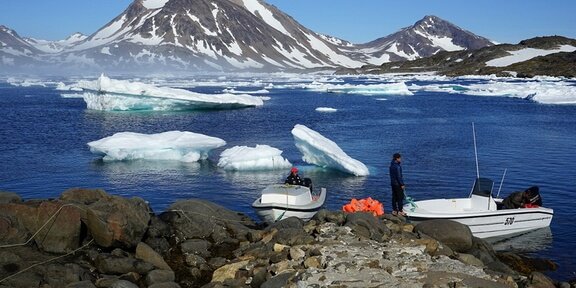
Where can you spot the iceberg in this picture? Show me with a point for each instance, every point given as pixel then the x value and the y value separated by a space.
pixel 544 91
pixel 261 157
pixel 110 94
pixel 399 88
pixel 326 109
pixel 323 152
pixel 171 145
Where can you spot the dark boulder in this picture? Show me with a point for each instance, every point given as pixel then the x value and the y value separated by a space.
pixel 367 225
pixel 118 222
pixel 200 219
pixel 455 235
pixel 9 197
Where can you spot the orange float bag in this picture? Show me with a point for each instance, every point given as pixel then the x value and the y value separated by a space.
pixel 364 205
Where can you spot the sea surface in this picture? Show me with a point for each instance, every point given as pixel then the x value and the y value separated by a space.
pixel 43 149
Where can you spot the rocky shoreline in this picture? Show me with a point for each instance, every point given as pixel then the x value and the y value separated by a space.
pixel 89 238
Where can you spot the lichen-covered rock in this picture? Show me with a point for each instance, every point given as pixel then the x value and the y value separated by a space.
pixel 200 219
pixel 118 222
pixel 9 197
pixel 63 227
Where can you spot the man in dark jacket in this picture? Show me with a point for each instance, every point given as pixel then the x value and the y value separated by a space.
pixel 397 182
pixel 527 198
pixel 293 178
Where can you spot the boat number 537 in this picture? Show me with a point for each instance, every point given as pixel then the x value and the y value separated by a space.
pixel 509 221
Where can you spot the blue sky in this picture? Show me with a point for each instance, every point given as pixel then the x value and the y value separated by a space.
pixel 358 21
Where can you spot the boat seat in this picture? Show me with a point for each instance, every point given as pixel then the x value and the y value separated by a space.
pixel 482 203
pixel 481 198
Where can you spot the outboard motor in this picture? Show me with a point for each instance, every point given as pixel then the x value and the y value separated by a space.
pixel 308 183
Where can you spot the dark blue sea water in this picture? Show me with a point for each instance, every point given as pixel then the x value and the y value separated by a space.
pixel 43 149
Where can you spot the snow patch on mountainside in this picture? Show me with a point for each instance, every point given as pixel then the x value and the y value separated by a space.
pixel 525 55
pixel 394 50
pixel 444 43
pixel 256 8
pixel 154 4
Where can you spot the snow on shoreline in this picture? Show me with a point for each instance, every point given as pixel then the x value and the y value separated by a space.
pixel 526 54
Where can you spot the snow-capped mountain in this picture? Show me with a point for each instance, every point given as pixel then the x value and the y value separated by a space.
pixel 229 35
pixel 56 46
pixel 207 34
pixel 423 39
pixel 14 51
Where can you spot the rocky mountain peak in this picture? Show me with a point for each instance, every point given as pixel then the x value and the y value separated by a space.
pixel 229 35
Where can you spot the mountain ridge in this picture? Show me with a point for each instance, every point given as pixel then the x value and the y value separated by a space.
pixel 230 35
pixel 550 56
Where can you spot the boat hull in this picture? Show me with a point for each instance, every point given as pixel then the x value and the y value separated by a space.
pixel 271 215
pixel 303 205
pixel 486 223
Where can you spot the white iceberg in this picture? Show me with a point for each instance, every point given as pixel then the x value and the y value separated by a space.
pixel 326 109
pixel 171 145
pixel 545 91
pixel 110 94
pixel 261 157
pixel 323 152
pixel 398 88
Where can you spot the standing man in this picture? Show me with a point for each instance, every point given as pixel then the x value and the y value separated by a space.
pixel 397 182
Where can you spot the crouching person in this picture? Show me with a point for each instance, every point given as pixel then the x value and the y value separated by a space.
pixel 523 199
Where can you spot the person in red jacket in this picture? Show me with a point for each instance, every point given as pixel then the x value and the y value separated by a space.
pixel 293 178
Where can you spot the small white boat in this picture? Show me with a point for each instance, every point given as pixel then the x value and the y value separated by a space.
pixel 280 201
pixel 481 212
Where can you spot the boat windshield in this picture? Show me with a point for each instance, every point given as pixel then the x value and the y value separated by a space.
pixel 483 187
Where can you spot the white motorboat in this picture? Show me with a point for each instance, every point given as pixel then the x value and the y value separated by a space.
pixel 280 201
pixel 481 212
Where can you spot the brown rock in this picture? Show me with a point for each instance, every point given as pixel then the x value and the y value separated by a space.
pixel 83 196
pixel 451 233
pixel 116 221
pixel 144 252
pixel 9 197
pixel 61 234
pixel 228 271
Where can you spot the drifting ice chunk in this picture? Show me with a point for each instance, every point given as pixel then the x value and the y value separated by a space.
pixel 110 94
pixel 399 88
pixel 261 157
pixel 326 109
pixel 323 152
pixel 172 145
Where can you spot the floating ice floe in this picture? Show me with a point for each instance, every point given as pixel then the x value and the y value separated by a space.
pixel 326 109
pixel 552 91
pixel 171 145
pixel 261 157
pixel 399 88
pixel 234 91
pixel 323 152
pixel 110 94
